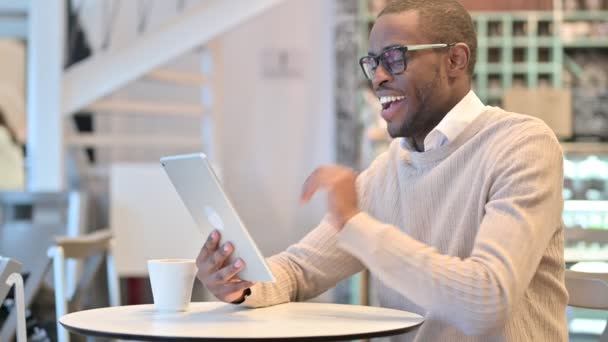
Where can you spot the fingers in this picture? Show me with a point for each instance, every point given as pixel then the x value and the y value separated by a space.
pixel 216 260
pixel 323 177
pixel 209 247
pixel 211 258
pixel 316 179
pixel 226 285
pixel 228 273
pixel 220 280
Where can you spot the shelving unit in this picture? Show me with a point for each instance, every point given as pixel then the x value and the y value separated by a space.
pixel 585 148
pixel 528 49
pixel 516 49
pixel 520 48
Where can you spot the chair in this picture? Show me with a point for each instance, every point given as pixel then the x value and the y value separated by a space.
pixel 588 290
pixel 92 248
pixel 28 223
pixel 9 276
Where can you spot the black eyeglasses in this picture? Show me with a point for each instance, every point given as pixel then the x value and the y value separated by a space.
pixel 393 58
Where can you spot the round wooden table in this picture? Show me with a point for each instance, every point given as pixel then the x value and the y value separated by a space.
pixel 213 321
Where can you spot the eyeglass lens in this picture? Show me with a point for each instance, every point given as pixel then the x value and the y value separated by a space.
pixel 393 60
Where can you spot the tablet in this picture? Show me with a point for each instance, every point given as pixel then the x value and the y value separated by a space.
pixel 203 195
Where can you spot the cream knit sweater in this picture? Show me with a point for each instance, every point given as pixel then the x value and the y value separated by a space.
pixel 468 235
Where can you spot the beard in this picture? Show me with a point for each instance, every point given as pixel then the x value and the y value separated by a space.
pixel 423 118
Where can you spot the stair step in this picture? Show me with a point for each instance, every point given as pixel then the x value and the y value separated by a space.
pixel 146 107
pixel 177 77
pixel 109 140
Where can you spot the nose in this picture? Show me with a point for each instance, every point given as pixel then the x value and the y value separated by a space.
pixel 381 76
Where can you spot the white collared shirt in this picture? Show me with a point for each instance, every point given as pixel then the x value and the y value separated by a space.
pixel 454 122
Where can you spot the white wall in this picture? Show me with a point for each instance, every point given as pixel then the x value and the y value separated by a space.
pixel 271 131
pixel 275 130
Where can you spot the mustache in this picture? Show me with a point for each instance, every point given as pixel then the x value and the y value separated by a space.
pixel 380 90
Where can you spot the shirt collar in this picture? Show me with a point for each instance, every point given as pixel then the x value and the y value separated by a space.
pixel 454 123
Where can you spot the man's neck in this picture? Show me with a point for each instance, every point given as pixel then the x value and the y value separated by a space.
pixel 418 146
pixel 417 142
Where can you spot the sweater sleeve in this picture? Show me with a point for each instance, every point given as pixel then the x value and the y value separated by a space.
pixel 476 294
pixel 314 264
pixel 306 269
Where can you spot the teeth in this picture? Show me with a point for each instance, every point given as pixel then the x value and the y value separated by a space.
pixel 389 99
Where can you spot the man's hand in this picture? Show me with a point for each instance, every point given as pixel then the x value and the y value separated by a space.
pixel 339 182
pixel 219 278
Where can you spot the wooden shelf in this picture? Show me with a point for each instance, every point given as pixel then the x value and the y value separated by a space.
pixel 519 41
pixel 540 67
pixel 587 43
pixel 585 148
pixel 97 140
pixel 586 15
pixel 147 108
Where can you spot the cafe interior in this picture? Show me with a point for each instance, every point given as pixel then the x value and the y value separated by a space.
pixel 94 92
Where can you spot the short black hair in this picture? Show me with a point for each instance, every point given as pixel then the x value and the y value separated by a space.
pixel 442 21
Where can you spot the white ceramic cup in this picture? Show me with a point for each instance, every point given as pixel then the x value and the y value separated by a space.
pixel 172 281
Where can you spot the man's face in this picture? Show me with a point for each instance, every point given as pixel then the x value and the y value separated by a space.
pixel 421 88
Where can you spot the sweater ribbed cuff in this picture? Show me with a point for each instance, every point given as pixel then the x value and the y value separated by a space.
pixel 253 300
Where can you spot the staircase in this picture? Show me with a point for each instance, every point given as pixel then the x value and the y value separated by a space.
pixel 155 95
pixel 174 57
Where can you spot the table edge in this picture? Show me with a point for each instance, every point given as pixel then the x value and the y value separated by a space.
pixel 121 336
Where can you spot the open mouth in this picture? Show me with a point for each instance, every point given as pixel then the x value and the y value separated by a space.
pixel 391 106
pixel 388 101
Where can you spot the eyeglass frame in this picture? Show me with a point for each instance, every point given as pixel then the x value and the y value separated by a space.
pixel 379 59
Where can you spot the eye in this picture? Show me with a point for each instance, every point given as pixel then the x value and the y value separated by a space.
pixel 369 62
pixel 394 58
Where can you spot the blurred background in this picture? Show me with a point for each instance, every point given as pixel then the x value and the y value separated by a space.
pixel 94 92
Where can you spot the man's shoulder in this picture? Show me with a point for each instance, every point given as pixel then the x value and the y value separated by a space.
pixel 508 135
pixel 513 127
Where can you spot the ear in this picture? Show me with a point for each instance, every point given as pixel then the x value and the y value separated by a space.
pixel 458 59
